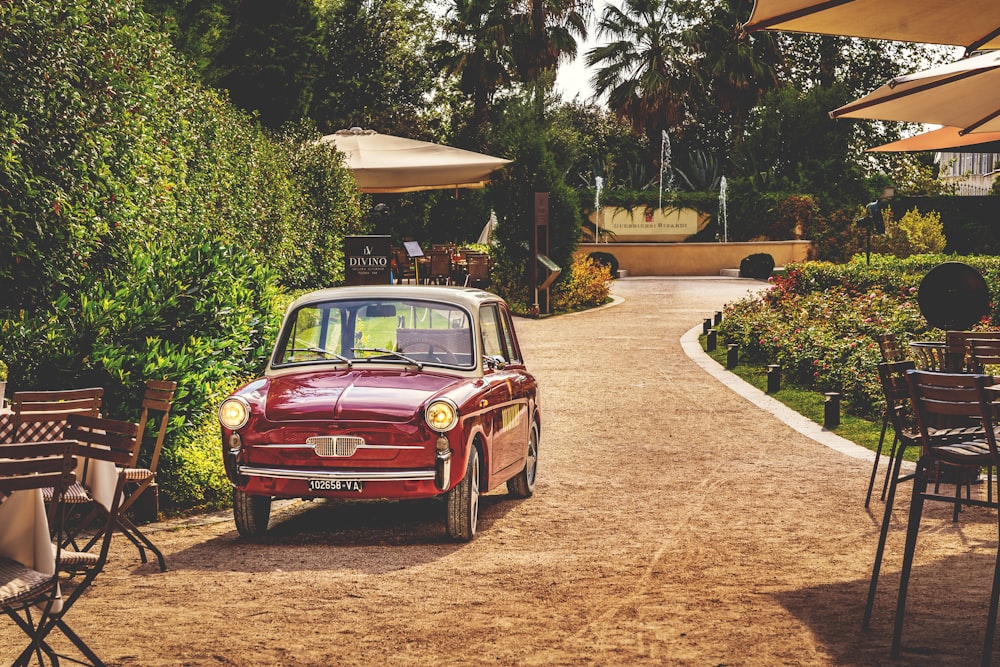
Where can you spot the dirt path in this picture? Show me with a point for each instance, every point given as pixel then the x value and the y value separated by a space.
pixel 674 523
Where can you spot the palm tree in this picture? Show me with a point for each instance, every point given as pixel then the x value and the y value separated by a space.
pixel 545 35
pixel 735 69
pixel 645 69
pixel 478 50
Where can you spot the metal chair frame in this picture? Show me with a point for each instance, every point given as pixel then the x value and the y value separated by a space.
pixel 939 396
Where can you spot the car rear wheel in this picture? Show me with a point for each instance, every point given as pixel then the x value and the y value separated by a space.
pixel 463 502
pixel 251 513
pixel 522 485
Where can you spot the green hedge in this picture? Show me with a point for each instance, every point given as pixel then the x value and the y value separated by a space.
pixel 147 228
pixel 821 321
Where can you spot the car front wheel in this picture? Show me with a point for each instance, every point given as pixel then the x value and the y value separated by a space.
pixel 463 502
pixel 251 513
pixel 522 485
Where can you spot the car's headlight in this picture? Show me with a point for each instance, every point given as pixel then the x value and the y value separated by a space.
pixel 234 413
pixel 441 415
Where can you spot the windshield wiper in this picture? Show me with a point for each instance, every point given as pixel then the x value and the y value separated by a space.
pixel 326 353
pixel 387 353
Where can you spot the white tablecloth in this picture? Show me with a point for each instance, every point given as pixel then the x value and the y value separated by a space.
pixel 100 480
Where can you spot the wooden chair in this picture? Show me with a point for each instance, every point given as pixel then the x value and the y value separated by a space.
pixel 949 395
pixel 478 271
pixel 439 270
pixel 41 415
pixel 896 387
pixel 115 443
pixel 30 593
pixel 892 376
pixel 156 403
pixel 889 347
pixel 957 348
pixel 405 267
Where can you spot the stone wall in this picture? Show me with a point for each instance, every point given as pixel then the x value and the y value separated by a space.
pixel 694 259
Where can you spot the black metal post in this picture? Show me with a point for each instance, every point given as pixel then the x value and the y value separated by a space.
pixel 706 324
pixel 711 342
pixel 732 355
pixel 773 378
pixel 831 410
pixel 718 317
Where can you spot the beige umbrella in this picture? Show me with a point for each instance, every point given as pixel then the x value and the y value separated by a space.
pixel 386 163
pixel 974 24
pixel 944 139
pixel 963 94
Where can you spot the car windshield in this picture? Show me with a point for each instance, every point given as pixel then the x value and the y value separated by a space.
pixel 403 331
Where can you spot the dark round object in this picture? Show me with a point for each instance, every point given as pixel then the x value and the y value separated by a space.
pixel 953 296
pixel 759 265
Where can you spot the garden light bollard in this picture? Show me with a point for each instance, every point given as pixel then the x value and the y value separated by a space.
pixel 732 355
pixel 712 341
pixel 773 378
pixel 718 317
pixel 706 325
pixel 831 410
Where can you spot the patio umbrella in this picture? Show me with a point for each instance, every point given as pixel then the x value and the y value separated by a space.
pixel 944 139
pixel 974 24
pixel 962 94
pixel 386 163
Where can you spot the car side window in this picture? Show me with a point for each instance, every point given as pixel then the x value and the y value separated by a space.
pixel 514 356
pixel 493 343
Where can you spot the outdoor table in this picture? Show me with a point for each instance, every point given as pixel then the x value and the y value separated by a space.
pixel 928 355
pixel 24 531
pixel 98 477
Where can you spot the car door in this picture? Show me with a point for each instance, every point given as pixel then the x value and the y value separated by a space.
pixel 508 403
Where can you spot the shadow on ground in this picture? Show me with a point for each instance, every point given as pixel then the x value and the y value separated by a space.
pixel 295 531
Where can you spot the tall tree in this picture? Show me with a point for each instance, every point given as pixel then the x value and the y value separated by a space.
pixel 477 49
pixel 734 69
pixel 271 61
pixel 376 73
pixel 545 34
pixel 645 70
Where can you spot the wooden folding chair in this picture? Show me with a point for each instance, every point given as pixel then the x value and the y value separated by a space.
pixel 98 440
pixel 889 347
pixel 29 591
pixel 41 415
pixel 156 403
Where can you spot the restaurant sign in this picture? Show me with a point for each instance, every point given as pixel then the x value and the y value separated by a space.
pixel 366 260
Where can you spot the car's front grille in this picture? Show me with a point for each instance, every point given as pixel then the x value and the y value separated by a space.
pixel 335 445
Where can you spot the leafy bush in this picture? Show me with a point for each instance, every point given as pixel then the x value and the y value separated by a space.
pixel 820 321
pixel 914 234
pixel 587 285
pixel 147 226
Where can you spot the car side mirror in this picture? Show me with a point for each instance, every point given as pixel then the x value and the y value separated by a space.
pixel 494 362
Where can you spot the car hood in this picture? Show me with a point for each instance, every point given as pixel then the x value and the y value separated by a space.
pixel 351 395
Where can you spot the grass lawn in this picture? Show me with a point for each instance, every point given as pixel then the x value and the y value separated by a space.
pixel 810 404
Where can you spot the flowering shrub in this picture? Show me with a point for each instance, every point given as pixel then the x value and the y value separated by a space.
pixel 587 285
pixel 820 322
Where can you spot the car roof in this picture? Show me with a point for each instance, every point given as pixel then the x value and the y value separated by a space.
pixel 468 297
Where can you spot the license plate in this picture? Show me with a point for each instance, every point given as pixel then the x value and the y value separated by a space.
pixel 355 485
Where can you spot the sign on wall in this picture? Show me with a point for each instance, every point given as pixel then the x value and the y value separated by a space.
pixel 366 260
pixel 648 223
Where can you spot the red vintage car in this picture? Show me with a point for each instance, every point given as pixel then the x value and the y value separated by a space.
pixel 394 391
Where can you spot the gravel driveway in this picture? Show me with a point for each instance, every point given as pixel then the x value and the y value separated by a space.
pixel 674 523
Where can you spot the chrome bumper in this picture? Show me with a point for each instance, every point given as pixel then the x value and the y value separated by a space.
pixel 363 475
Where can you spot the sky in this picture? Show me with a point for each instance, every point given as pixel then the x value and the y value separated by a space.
pixel 574 78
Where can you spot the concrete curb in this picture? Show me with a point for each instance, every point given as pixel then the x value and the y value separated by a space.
pixel 807 427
